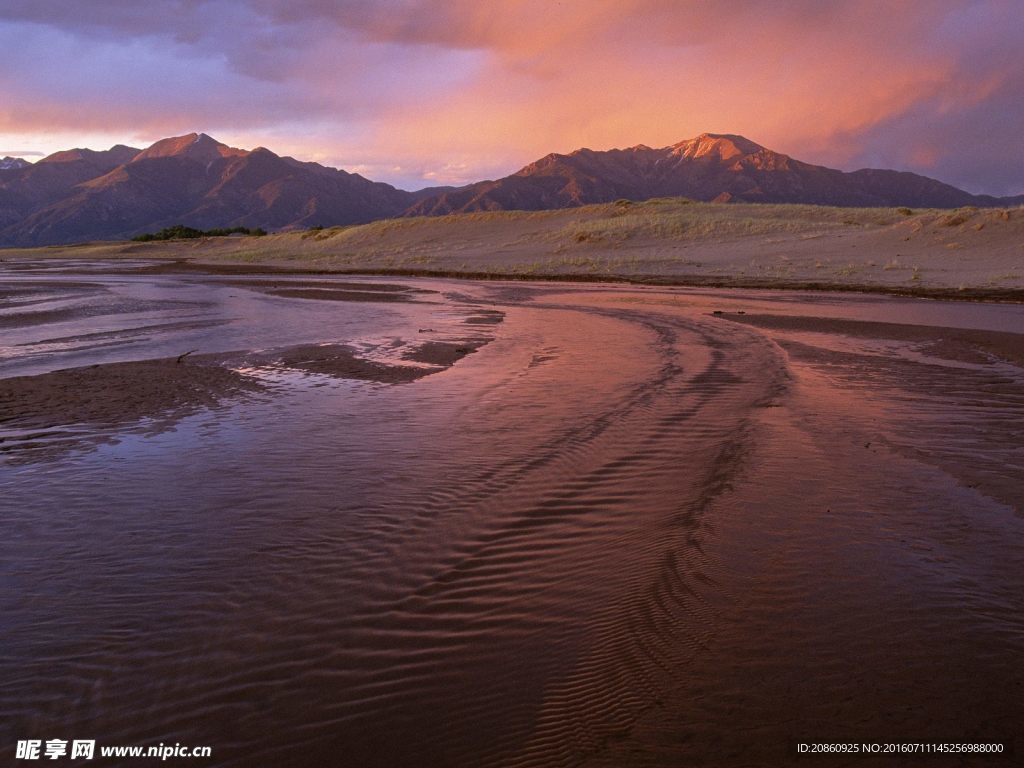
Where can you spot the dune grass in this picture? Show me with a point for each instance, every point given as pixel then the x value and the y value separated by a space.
pixel 664 219
pixel 670 238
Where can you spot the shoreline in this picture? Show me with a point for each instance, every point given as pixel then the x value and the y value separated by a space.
pixel 175 265
pixel 1010 295
pixel 221 268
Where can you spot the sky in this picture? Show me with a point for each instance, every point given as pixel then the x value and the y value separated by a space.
pixel 425 92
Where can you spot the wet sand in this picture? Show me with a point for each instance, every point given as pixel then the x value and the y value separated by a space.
pixel 344 362
pixel 63 409
pixel 636 526
pixel 951 343
pixel 122 393
pixel 325 290
pixel 114 392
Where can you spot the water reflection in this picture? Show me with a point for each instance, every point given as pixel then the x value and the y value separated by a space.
pixel 624 530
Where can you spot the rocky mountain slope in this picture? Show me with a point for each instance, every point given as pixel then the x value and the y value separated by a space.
pixel 192 180
pixel 710 167
pixel 199 182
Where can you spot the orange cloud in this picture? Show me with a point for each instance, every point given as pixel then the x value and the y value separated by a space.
pixel 658 72
pixel 456 90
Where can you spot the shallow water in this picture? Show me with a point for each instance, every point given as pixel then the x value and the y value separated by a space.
pixel 626 531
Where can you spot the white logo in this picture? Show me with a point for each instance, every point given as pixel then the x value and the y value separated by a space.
pixel 29 749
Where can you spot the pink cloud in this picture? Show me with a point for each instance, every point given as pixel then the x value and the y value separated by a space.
pixel 423 91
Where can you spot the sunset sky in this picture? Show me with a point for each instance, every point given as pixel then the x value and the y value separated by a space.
pixel 425 92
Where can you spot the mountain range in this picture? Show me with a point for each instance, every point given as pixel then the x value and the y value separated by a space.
pixel 12 163
pixel 82 194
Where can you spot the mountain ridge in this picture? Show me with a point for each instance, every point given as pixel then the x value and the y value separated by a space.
pixel 709 167
pixel 197 181
pixel 9 163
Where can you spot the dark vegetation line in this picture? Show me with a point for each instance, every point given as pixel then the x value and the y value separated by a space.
pixel 180 232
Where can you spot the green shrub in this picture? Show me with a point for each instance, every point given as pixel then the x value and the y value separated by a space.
pixel 181 232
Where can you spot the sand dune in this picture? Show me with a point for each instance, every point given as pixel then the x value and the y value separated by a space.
pixel 967 252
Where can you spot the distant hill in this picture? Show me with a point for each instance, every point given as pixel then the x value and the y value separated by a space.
pixel 198 182
pixel 710 167
pixel 192 180
pixel 12 163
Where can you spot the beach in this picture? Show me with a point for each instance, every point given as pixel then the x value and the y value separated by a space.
pixel 422 520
